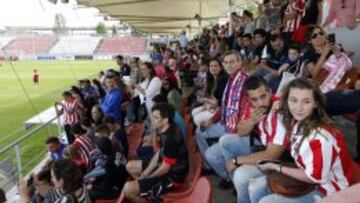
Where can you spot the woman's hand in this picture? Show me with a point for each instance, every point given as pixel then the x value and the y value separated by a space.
pixel 268 166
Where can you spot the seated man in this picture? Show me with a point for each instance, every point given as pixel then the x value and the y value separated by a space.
pixel 225 121
pixel 55 150
pixel 232 150
pixel 169 165
pixel 273 57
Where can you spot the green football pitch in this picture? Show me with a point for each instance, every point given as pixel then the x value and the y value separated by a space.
pixel 15 108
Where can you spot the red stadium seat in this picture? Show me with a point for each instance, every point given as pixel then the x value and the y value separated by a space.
pixel 122 45
pixel 185 189
pixel 200 194
pixel 32 45
pixel 135 134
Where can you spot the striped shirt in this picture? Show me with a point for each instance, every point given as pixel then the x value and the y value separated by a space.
pixel 272 130
pixel 81 197
pixel 85 146
pixel 324 157
pixel 292 25
pixel 71 111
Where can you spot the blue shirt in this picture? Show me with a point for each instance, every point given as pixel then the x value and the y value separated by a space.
pixel 58 155
pixel 88 91
pixel 178 120
pixel 111 104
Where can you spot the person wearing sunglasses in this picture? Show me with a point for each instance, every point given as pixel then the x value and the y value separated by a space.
pixel 318 51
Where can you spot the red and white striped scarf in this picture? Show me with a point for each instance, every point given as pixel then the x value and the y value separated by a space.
pixel 232 101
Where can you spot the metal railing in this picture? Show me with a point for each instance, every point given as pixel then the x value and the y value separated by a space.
pixel 16 146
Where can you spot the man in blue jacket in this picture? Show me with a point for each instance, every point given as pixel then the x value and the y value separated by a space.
pixel 111 104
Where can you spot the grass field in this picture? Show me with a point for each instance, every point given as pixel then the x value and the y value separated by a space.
pixel 15 109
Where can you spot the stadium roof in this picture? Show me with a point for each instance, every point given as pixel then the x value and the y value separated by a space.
pixel 165 16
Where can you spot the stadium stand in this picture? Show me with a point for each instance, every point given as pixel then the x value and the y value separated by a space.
pixel 122 45
pixel 33 45
pixel 4 41
pixel 77 45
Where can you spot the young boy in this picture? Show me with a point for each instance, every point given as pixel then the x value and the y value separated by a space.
pixel 292 63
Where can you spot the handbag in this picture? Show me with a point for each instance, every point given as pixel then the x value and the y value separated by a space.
pixel 288 186
pixel 288 76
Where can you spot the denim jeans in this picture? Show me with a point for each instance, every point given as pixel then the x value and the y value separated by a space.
pixel 228 147
pixel 216 130
pixel 259 192
pixel 243 175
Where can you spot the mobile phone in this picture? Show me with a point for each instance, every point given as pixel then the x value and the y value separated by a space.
pixel 266 161
pixel 331 38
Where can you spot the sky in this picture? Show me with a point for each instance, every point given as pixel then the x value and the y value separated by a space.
pixel 31 13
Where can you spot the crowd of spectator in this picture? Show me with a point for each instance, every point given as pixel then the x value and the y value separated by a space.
pixel 259 88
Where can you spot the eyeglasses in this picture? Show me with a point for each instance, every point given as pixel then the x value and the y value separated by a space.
pixel 317 34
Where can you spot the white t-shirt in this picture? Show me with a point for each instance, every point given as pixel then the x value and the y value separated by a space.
pixel 152 89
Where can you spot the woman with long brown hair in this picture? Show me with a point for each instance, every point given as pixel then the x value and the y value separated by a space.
pixel 316 145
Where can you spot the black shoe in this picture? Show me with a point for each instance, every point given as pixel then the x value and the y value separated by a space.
pixel 225 184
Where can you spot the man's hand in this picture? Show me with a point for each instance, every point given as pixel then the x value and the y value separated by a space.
pixel 257 115
pixel 230 166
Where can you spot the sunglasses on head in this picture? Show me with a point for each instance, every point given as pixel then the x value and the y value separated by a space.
pixel 316 34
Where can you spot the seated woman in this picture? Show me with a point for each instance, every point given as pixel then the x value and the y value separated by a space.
pixel 68 181
pixel 317 147
pixel 106 178
pixel 216 81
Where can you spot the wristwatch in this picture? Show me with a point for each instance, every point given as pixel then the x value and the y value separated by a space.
pixel 234 161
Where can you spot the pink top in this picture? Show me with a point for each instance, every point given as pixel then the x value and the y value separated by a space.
pixel 336 67
pixel 343 13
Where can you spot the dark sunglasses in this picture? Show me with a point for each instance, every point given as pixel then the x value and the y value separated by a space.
pixel 316 34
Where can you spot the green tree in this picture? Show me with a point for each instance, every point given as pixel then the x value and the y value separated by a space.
pixel 101 28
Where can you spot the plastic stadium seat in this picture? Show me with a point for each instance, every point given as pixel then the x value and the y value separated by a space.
pixel 79 45
pixel 121 45
pixel 135 134
pixel 185 189
pixel 32 45
pixel 200 194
